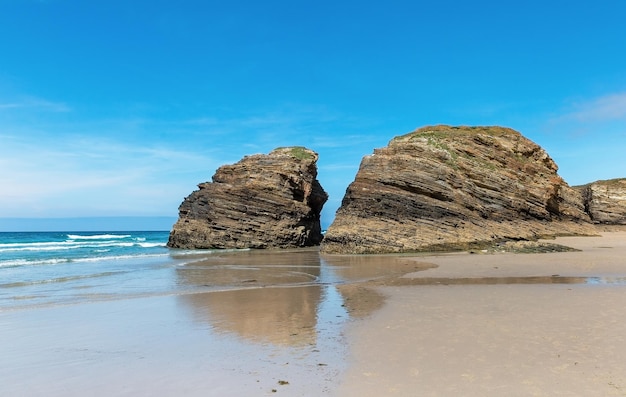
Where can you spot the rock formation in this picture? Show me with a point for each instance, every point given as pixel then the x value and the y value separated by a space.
pixel 605 201
pixel 263 201
pixel 448 188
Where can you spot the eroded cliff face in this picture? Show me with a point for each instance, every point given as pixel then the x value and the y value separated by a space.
pixel 263 201
pixel 448 188
pixel 605 201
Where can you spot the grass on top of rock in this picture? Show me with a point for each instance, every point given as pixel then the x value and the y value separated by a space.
pixel 452 139
pixel 299 152
pixel 618 182
pixel 447 131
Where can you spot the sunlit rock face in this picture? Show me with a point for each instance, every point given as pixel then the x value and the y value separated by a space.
pixel 262 201
pixel 605 201
pixel 446 187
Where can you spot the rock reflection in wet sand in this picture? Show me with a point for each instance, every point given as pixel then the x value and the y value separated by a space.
pixel 285 297
pixel 281 297
pixel 278 315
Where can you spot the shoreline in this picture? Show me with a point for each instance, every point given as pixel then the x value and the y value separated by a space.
pixel 450 330
pixel 439 324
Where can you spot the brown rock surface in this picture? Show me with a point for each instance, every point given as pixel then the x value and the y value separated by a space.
pixel 605 201
pixel 448 187
pixel 263 201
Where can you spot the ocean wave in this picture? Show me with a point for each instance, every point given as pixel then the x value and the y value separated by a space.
pixel 97 236
pixel 56 261
pixel 36 244
pixel 26 262
pixel 150 245
pixel 70 245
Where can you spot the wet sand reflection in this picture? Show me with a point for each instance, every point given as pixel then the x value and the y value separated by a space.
pixel 278 315
pixel 359 268
pixel 289 297
pixel 282 297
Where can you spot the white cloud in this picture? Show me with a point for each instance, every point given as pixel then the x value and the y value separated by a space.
pixel 33 103
pixel 10 105
pixel 602 109
pixel 91 176
pixel 587 139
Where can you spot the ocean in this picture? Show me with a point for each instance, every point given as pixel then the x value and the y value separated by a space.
pixel 45 268
pixel 39 269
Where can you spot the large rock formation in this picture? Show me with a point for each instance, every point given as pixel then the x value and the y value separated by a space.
pixel 448 187
pixel 605 201
pixel 263 201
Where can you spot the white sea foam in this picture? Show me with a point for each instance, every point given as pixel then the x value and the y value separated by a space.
pixel 56 261
pixel 24 262
pixel 61 247
pixel 150 245
pixel 97 236
pixel 40 248
pixel 39 244
pixel 69 245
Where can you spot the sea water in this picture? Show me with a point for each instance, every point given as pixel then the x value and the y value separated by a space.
pixel 40 268
pixel 119 313
pixel 51 268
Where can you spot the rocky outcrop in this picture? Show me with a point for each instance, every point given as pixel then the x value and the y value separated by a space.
pixel 442 188
pixel 263 201
pixel 605 201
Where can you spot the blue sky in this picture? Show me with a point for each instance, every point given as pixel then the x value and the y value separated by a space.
pixel 120 108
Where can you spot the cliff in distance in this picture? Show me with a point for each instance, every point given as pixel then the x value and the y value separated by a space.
pixel 443 188
pixel 605 201
pixel 263 201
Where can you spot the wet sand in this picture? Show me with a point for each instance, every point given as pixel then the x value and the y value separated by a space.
pixel 172 346
pixel 297 324
pixel 499 324
pixel 238 324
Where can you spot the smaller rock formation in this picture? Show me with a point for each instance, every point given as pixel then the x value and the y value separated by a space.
pixel 263 201
pixel 443 188
pixel 605 201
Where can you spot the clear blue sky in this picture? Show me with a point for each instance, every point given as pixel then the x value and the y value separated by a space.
pixel 120 108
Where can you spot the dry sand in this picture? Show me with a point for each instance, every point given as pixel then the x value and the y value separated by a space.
pixel 499 325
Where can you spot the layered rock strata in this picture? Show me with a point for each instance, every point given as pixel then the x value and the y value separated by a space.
pixel 263 201
pixel 442 188
pixel 605 201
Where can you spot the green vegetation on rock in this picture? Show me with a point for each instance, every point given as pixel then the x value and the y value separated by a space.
pixel 447 131
pixel 299 152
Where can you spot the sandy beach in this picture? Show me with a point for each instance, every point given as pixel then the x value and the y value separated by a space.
pixel 482 324
pixel 232 324
pixel 499 325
